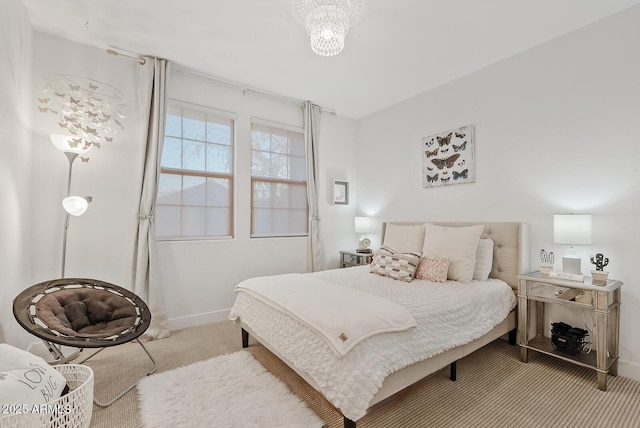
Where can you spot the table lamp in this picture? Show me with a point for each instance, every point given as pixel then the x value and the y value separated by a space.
pixel 363 225
pixel 572 230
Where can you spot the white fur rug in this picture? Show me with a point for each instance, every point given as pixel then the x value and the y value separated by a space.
pixel 232 390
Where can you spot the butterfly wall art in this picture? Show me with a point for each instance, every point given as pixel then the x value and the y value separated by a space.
pixel 449 154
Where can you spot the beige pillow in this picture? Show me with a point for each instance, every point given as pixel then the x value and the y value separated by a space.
pixel 404 238
pixel 433 269
pixel 484 260
pixel 459 244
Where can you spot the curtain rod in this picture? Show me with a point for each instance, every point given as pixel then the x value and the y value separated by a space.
pixel 235 85
pixel 244 88
pixel 112 51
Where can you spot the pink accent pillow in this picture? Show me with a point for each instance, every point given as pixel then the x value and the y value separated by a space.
pixel 433 268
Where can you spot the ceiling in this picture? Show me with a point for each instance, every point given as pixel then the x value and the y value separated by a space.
pixel 394 49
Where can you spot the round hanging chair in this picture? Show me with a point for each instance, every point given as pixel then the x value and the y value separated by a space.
pixel 82 313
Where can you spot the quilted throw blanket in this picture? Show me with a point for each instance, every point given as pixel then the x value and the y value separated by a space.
pixel 342 316
pixel 447 314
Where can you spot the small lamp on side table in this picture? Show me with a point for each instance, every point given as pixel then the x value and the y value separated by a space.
pixel 572 230
pixel 363 225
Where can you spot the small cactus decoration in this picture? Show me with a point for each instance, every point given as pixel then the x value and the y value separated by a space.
pixel 600 261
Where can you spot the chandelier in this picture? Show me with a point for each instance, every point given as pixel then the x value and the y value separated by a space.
pixel 327 23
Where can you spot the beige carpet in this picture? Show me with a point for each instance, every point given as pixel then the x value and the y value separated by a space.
pixel 494 389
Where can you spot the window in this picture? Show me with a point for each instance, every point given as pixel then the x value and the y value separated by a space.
pixel 278 181
pixel 195 193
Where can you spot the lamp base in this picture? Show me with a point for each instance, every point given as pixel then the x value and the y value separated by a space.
pixel 572 265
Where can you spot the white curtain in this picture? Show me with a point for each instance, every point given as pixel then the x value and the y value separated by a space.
pixel 152 80
pixel 315 258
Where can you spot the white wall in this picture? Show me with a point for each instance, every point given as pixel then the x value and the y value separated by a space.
pixel 199 276
pixel 556 133
pixel 16 65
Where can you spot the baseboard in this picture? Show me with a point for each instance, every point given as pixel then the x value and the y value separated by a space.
pixel 629 369
pixel 198 319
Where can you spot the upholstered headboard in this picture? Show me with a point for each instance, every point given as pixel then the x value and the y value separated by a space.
pixel 510 251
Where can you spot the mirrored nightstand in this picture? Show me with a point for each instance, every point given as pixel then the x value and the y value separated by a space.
pixel 350 258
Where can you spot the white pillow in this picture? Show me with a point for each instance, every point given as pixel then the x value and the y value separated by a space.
pixel 459 244
pixel 27 379
pixel 404 238
pixel 484 260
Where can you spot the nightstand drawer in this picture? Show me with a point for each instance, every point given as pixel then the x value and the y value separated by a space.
pixel 350 259
pixel 550 292
pixel 353 258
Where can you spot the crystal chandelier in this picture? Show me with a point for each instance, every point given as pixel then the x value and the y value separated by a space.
pixel 327 23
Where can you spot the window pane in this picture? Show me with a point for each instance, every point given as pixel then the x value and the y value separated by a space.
pixel 261 164
pixel 279 222
pixel 173 122
pixel 298 168
pixel 279 166
pixel 218 158
pixel 168 221
pixel 218 192
pixel 172 153
pixel 298 197
pixel 298 221
pixel 169 189
pixel 218 221
pixel 281 196
pixel 193 155
pixel 297 144
pixel 260 138
pixel 219 131
pixel 193 125
pixel 279 141
pixel 194 190
pixel 193 221
pixel 261 194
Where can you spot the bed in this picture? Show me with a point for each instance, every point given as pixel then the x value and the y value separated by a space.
pixel 376 368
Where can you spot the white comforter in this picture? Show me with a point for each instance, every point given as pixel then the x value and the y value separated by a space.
pixel 448 315
pixel 341 315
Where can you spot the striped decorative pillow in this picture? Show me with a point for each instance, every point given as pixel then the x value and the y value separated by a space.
pixel 400 266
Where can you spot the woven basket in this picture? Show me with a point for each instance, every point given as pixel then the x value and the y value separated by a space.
pixel 70 411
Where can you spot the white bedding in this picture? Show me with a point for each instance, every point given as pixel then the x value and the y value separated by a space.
pixel 448 315
pixel 341 315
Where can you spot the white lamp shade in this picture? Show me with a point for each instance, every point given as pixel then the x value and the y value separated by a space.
pixel 76 205
pixel 572 229
pixel 69 144
pixel 363 224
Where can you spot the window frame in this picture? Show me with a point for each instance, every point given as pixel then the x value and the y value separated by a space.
pixel 271 180
pixel 171 102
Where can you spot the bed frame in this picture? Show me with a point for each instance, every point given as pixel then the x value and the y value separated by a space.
pixel 510 258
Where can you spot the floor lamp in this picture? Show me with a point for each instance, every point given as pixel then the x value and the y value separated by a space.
pixel 73 205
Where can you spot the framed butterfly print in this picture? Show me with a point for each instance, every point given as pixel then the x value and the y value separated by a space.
pixel 340 192
pixel 448 158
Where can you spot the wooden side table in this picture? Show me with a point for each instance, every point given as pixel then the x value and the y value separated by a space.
pixel 535 290
pixel 350 258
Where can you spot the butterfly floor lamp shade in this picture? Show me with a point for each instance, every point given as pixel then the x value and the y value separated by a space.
pixel 73 205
